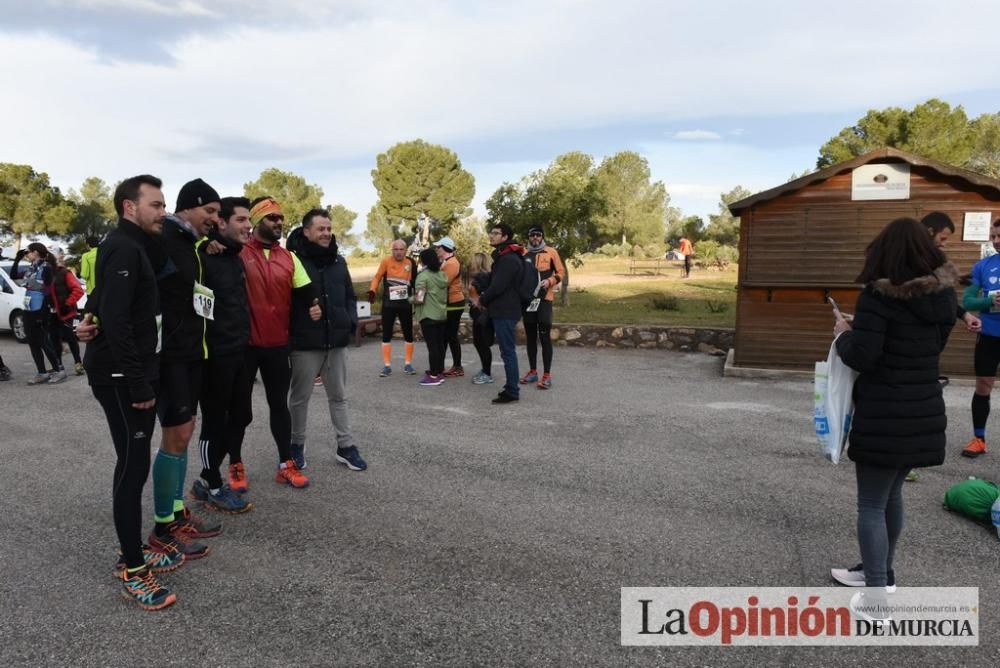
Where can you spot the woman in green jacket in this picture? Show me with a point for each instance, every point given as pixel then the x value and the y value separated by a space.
pixel 431 299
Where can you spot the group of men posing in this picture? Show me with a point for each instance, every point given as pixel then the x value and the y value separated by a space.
pixel 190 306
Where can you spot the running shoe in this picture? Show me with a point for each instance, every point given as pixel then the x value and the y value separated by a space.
pixel 78 367
pixel 855 577
pixel 238 478
pixel 386 371
pixel 4 372
pixel 143 588
pixel 351 458
pixel 226 501
pixel 505 398
pixel 291 475
pixel 429 380
pixel 976 447
pixel 482 379
pixel 299 455
pixel 912 476
pixel 530 377
pixel 38 379
pixel 317 381
pixel 409 370
pixel 545 383
pixel 195 526
pixel 179 542
pixel 57 377
pixel 870 607
pixel 454 372
pixel 157 562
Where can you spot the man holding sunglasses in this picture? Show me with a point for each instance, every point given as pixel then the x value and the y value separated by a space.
pixel 272 274
pixel 538 313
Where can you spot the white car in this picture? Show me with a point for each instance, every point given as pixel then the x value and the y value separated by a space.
pixel 12 302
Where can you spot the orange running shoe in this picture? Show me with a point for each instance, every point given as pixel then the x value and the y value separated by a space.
pixel 291 475
pixel 976 447
pixel 238 478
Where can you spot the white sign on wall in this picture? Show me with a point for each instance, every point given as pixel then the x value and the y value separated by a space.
pixel 887 181
pixel 977 226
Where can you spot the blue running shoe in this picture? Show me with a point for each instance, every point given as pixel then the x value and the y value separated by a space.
pixel 386 371
pixel 530 377
pixel 409 370
pixel 157 562
pixel 482 379
pixel 351 458
pixel 143 588
pixel 429 380
pixel 299 455
pixel 226 501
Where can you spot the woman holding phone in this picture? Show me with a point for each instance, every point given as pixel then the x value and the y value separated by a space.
pixel 901 324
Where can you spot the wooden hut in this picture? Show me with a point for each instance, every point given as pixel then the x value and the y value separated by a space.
pixel 804 241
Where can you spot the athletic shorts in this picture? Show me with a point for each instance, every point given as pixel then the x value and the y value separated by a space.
pixel 180 390
pixel 987 355
pixel 542 316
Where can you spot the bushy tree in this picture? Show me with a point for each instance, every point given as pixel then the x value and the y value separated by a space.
pixel 379 232
pixel 295 196
pixel 417 181
pixel 30 205
pixel 342 220
pixel 724 227
pixel 634 209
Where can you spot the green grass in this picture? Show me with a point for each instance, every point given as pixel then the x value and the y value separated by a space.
pixel 631 303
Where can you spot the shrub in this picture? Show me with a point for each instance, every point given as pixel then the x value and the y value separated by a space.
pixel 665 303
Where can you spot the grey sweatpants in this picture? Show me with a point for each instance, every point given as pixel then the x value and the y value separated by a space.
pixel 331 365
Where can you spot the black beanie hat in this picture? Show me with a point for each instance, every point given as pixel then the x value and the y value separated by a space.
pixel 536 228
pixel 195 193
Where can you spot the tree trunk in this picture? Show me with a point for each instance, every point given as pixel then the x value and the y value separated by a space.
pixel 564 287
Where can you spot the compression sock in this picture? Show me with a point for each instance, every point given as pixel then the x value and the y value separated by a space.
pixel 409 352
pixel 182 465
pixel 980 413
pixel 387 354
pixel 165 468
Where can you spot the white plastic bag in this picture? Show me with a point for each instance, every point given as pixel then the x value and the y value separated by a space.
pixel 834 407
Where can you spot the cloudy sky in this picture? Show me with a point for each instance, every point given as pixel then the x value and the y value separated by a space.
pixel 714 93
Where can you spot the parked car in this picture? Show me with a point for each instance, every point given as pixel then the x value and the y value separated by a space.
pixel 12 301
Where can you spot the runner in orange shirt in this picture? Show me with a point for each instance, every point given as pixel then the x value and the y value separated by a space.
pixel 395 275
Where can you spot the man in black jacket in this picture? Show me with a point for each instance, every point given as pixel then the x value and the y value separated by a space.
pixel 227 387
pixel 123 371
pixel 319 347
pixel 186 305
pixel 503 302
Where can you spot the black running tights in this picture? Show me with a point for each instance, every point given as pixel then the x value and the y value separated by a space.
pixel 276 374
pixel 227 389
pixel 131 432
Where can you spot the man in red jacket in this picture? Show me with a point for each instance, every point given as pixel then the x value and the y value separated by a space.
pixel 66 291
pixel 272 273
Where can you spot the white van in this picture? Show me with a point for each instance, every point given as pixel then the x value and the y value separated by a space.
pixel 12 302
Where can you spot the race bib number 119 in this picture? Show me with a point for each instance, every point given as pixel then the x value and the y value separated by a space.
pixel 204 301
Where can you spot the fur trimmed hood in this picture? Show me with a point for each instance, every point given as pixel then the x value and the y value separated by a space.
pixel 944 277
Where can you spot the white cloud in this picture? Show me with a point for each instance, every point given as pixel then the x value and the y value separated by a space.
pixel 180 8
pixel 330 84
pixel 697 135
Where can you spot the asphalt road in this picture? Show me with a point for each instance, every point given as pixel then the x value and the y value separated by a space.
pixel 480 535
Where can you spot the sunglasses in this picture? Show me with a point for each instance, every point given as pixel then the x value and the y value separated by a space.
pixel 535 234
pixel 275 217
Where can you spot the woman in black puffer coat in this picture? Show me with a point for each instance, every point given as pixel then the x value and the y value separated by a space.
pixel 902 321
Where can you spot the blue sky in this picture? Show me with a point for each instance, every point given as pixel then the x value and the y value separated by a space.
pixel 713 93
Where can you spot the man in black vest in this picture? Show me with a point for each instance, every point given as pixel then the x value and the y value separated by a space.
pixel 319 347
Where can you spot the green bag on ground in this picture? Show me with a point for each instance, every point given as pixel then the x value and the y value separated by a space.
pixel 972 498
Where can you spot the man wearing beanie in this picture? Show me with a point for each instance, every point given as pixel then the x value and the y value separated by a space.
pixel 272 275
pixel 185 304
pixel 538 313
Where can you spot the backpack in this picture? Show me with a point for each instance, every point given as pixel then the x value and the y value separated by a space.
pixel 972 498
pixel 528 286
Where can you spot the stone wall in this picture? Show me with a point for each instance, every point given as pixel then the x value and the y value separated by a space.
pixel 714 341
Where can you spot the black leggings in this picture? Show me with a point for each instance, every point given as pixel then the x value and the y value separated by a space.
pixel 276 373
pixel 455 311
pixel 434 337
pixel 40 340
pixel 62 330
pixel 227 389
pixel 389 315
pixel 131 433
pixel 482 339
pixel 533 333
